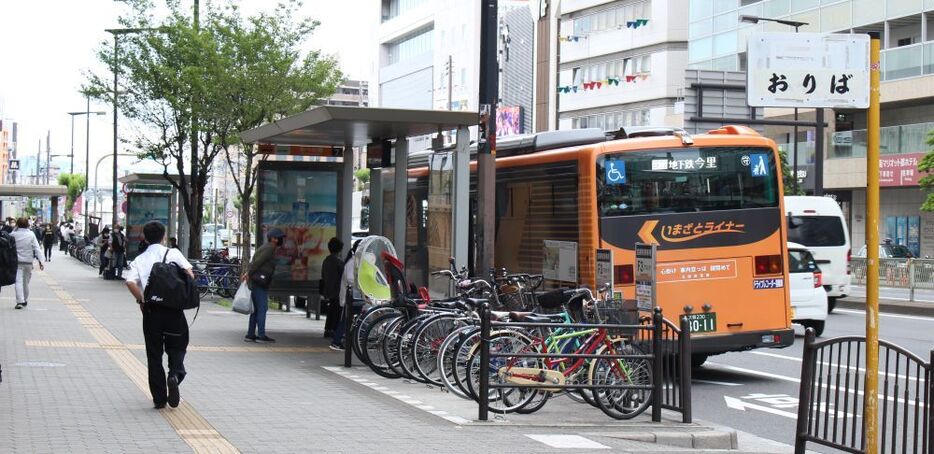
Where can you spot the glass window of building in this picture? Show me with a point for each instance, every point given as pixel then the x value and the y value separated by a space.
pixel 700 49
pixel 700 9
pixel 393 8
pixel 776 8
pixel 700 28
pixel 724 43
pixel 801 5
pixel 867 12
pixel 720 6
pixel 410 46
pixel 726 21
pixel 898 8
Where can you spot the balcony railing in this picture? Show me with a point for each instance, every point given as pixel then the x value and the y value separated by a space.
pixel 908 61
pixel 892 140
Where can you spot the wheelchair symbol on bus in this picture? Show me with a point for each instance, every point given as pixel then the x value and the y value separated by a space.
pixel 615 172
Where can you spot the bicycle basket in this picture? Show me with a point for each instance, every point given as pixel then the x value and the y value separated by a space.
pixel 614 312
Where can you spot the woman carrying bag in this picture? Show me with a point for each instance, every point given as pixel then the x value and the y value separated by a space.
pixel 258 278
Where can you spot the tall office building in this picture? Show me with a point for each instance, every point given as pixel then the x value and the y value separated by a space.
pixel 429 55
pixel 718 42
pixel 621 63
pixel 350 93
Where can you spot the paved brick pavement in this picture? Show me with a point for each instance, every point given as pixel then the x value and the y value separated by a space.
pixel 74 381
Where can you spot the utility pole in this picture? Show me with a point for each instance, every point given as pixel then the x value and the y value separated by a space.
pixel 48 157
pixel 39 163
pixel 486 151
pixel 870 394
pixel 450 82
pixel 87 161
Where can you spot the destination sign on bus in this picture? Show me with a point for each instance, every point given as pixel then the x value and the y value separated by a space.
pixel 710 162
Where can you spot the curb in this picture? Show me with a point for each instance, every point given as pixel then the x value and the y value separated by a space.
pixel 889 306
pixel 704 439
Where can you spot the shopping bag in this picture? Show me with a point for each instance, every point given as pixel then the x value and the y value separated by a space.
pixel 242 302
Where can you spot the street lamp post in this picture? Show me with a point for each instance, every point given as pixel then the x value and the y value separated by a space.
pixel 796 25
pixel 116 32
pixel 87 151
pixel 96 171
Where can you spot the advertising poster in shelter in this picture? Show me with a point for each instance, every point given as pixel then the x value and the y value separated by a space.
pixel 303 204
pixel 143 208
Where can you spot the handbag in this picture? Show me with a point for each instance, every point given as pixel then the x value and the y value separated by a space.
pixel 261 279
pixel 242 302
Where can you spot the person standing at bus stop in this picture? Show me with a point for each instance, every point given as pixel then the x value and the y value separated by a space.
pixel 259 278
pixel 331 271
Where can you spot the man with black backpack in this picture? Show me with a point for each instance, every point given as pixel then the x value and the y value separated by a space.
pixel 165 327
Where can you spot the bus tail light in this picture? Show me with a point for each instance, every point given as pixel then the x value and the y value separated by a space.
pixel 624 274
pixel 768 264
pixel 818 279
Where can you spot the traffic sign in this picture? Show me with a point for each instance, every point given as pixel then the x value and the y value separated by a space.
pixel 645 276
pixel 230 214
pixel 14 164
pixel 808 70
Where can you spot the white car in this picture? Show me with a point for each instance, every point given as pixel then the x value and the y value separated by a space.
pixel 818 224
pixel 808 297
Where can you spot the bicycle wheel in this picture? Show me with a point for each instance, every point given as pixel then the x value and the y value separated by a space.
pixel 447 365
pixel 502 400
pixel 372 351
pixel 461 355
pixel 621 403
pixel 361 326
pixel 389 346
pixel 427 343
pixel 406 344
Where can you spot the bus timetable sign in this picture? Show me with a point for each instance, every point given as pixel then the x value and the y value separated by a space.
pixel 645 276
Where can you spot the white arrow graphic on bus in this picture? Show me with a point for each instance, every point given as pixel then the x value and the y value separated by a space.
pixel 737 404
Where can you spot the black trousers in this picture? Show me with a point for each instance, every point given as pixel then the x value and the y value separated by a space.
pixel 165 330
pixel 48 251
pixel 333 315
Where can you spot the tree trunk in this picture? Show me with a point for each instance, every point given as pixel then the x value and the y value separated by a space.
pixel 246 228
pixel 195 217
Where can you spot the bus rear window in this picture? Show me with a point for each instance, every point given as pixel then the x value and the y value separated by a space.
pixel 686 180
pixel 816 231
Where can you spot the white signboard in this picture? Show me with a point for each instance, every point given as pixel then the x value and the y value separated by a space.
pixel 808 70
pixel 560 261
pixel 645 276
pixel 604 271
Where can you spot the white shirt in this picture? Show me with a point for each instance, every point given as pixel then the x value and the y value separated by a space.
pixel 142 264
pixel 347 278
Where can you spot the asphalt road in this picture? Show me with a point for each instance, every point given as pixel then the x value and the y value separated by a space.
pixel 757 391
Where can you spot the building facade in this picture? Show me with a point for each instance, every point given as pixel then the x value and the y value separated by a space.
pixel 718 42
pixel 621 63
pixel 350 93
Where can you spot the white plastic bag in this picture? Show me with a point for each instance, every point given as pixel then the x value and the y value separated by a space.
pixel 242 302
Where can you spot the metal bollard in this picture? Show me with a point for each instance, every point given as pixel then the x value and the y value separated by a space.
pixel 348 322
pixel 911 280
pixel 484 394
pixel 657 378
pixel 685 339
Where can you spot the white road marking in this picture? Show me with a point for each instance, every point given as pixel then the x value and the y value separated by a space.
pixel 737 404
pixel 567 441
pixel 906 317
pixel 714 382
pixel 827 363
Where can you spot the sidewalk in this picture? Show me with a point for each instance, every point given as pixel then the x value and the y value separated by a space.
pixel 889 306
pixel 74 380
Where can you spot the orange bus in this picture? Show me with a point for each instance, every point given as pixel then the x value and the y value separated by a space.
pixel 711 202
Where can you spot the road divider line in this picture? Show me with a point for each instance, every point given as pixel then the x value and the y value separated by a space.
pixel 714 382
pixel 826 363
pixel 882 314
pixel 566 441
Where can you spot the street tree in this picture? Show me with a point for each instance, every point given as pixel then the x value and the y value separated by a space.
pixel 269 77
pixel 926 167
pixel 75 182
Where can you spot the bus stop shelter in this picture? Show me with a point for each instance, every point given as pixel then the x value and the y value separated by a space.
pixel 150 197
pixel 52 191
pixel 344 128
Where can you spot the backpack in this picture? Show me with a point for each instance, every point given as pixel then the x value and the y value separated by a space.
pixel 8 259
pixel 171 287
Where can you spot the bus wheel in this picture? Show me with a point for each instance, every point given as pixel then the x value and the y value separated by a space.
pixel 831 304
pixel 698 359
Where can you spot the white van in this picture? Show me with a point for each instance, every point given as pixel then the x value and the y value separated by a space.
pixel 818 224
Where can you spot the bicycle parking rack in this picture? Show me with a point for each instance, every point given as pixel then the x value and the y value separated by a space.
pixel 669 355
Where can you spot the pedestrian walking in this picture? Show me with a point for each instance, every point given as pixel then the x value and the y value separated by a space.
pixel 9 225
pixel 331 271
pixel 347 280
pixel 103 244
pixel 118 248
pixel 258 279
pixel 27 250
pixel 164 329
pixel 48 239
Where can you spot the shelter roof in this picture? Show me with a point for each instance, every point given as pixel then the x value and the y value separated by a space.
pixel 355 126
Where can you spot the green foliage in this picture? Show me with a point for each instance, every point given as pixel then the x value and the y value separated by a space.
pixel 788 175
pixel 29 209
pixel 191 87
pixel 926 166
pixel 75 183
pixel 362 176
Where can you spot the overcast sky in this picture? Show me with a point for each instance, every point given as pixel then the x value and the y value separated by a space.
pixel 47 46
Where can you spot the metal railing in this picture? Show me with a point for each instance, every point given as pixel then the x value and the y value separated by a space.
pixel 901 273
pixel 665 346
pixel 830 405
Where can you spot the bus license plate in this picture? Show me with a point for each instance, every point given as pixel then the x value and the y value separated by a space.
pixel 702 323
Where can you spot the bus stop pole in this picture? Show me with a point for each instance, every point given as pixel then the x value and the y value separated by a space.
pixel 870 396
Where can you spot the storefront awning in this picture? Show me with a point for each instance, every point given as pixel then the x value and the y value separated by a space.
pixel 33 190
pixel 355 126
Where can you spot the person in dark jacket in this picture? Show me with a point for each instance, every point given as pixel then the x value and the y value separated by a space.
pixel 118 248
pixel 103 243
pixel 331 271
pixel 48 239
pixel 258 278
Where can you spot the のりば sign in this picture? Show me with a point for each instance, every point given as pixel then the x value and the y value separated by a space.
pixel 808 70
